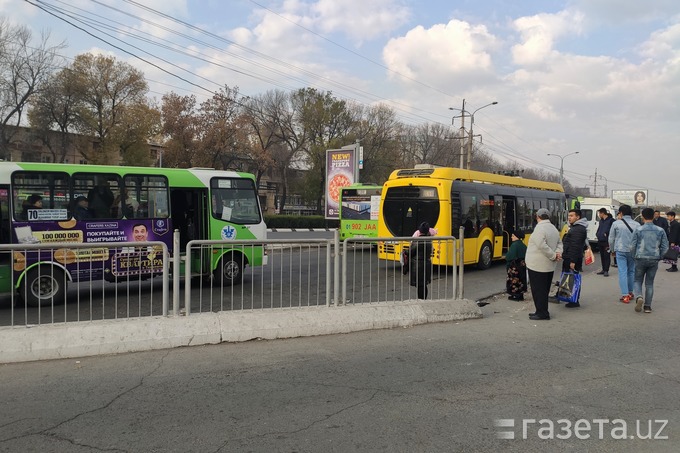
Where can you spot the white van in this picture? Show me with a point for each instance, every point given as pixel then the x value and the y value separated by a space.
pixel 589 208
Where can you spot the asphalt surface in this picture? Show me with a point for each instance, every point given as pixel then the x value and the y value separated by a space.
pixel 433 388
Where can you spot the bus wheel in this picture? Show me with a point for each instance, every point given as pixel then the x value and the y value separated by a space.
pixel 230 270
pixel 43 286
pixel 485 255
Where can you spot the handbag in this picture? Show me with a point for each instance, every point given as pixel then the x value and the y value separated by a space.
pixel 569 288
pixel 404 260
pixel 589 257
pixel 671 255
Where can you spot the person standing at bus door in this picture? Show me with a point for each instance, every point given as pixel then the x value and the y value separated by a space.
pixel 101 198
pixel 516 281
pixel 602 235
pixel 573 244
pixel 620 235
pixel 420 256
pixel 543 250
pixel 82 209
pixel 673 239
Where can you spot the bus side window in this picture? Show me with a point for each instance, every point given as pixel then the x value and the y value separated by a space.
pixel 101 190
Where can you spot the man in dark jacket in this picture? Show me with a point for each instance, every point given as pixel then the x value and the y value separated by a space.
pixel 602 235
pixel 660 221
pixel 574 243
pixel 673 238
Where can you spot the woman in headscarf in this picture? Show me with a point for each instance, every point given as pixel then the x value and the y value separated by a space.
pixel 421 261
pixel 516 282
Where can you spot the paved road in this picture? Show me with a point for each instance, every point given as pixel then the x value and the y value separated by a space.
pixel 437 387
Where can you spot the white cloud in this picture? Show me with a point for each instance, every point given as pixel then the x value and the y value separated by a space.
pixel 538 35
pixel 360 20
pixel 626 11
pixel 663 44
pixel 454 48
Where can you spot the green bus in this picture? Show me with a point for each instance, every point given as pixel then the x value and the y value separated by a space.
pixel 45 203
pixel 359 205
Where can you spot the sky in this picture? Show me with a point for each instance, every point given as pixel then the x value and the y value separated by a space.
pixel 597 77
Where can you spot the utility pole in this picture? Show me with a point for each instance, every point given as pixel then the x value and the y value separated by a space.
pixel 595 183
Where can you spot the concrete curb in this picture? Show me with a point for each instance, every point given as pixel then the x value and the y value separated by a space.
pixel 23 344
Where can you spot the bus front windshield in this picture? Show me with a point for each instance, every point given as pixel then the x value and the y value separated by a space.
pixel 235 200
pixel 406 207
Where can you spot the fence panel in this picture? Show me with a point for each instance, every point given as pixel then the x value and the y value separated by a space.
pixel 297 274
pixel 366 279
pixel 75 282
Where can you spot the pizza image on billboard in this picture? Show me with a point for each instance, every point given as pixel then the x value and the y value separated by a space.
pixel 336 182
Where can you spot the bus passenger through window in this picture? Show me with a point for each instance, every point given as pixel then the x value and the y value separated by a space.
pixel 101 190
pixel 40 196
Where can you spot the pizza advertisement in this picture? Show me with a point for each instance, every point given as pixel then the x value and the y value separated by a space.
pixel 340 167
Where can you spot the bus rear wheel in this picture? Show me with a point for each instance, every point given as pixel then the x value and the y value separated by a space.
pixel 43 286
pixel 485 255
pixel 229 271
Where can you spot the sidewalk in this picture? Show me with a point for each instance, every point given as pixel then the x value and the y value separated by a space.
pixel 599 294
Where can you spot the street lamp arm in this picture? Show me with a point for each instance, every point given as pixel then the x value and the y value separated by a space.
pixel 562 164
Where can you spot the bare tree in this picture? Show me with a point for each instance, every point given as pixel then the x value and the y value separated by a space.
pixel 378 132
pixel 430 143
pixel 292 134
pixel 24 67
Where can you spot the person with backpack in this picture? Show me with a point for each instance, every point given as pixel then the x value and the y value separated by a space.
pixel 620 236
pixel 420 261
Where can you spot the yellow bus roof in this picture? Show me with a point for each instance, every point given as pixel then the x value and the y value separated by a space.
pixel 457 174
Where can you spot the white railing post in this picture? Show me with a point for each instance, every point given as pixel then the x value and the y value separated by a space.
pixel 176 252
pixel 336 267
pixel 461 261
pixel 187 279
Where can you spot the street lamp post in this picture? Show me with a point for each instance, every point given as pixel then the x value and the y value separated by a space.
pixel 471 134
pixel 562 164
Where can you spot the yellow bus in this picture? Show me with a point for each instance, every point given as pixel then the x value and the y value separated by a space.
pixel 490 207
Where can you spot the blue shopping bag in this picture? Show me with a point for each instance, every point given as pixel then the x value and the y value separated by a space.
pixel 569 287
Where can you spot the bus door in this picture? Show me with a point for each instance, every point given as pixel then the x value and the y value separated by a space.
pixel 189 214
pixel 507 220
pixel 497 224
pixel 5 238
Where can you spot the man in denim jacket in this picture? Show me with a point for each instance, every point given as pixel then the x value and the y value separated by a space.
pixel 619 243
pixel 648 245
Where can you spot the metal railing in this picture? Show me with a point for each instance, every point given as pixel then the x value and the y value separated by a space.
pixel 69 282
pixel 386 280
pixel 298 273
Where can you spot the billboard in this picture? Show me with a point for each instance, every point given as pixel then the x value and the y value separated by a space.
pixel 636 198
pixel 341 167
